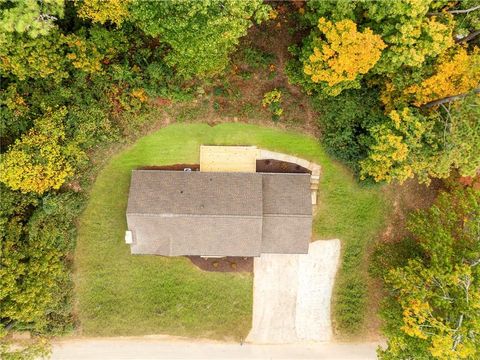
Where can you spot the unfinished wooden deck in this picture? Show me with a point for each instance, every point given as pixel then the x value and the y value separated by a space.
pixel 228 158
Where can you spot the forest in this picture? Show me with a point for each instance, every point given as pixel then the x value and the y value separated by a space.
pixel 391 89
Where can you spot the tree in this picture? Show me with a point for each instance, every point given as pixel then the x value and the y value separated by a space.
pixel 34 243
pixel 412 144
pixel 401 148
pixel 454 74
pixel 344 122
pixel 342 56
pixel 200 34
pixel 432 310
pixel 42 159
pixel 466 14
pixel 30 17
pixel 39 57
pixel 411 36
pixel 101 11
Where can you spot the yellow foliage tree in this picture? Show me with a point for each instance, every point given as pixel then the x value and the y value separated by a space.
pixel 344 56
pixel 40 160
pixel 399 152
pixel 453 75
pixel 102 11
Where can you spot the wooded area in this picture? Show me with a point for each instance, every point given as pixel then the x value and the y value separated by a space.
pixel 394 85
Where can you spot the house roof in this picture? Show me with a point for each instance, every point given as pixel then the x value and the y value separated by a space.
pixel 218 214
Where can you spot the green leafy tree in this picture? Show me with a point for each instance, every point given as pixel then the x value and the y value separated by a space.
pixel 412 37
pixel 200 34
pixel 30 17
pixel 432 310
pixel 344 122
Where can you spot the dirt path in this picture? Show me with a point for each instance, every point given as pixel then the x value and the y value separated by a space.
pixel 165 347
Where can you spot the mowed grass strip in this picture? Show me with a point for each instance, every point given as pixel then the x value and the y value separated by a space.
pixel 122 294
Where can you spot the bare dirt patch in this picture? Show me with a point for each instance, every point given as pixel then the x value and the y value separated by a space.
pixel 225 264
pixel 237 95
pixel 276 166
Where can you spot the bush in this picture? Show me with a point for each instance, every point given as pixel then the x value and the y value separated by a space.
pixel 273 101
pixel 344 122
pixel 256 58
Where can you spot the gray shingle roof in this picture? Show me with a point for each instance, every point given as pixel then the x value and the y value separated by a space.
pixel 195 193
pixel 225 214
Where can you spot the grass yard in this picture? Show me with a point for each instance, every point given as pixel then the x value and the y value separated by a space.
pixel 121 294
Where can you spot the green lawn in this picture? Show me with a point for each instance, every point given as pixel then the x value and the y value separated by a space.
pixel 121 294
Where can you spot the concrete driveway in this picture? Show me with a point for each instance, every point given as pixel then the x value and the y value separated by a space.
pixel 292 295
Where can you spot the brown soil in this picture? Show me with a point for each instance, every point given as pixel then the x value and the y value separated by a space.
pixel 405 199
pixel 276 166
pixel 225 264
pixel 265 166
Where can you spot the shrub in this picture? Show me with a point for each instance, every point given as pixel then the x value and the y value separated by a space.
pixel 344 122
pixel 256 58
pixel 273 101
pixel 350 301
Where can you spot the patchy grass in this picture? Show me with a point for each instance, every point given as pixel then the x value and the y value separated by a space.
pixel 122 294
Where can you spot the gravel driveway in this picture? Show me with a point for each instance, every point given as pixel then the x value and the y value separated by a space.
pixel 292 295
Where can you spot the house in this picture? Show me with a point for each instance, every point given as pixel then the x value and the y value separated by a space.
pixel 175 213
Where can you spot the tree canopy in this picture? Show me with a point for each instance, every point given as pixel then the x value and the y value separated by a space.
pixel 433 302
pixel 200 34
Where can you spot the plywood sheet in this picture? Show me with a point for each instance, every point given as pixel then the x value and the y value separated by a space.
pixel 228 158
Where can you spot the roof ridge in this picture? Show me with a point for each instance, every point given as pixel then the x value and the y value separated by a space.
pixel 196 215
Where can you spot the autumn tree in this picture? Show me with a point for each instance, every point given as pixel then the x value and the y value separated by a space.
pixel 42 159
pixel 412 37
pixel 454 74
pixel 341 55
pixel 104 11
pixel 200 34
pixel 432 308
pixel 401 148
pixel 412 144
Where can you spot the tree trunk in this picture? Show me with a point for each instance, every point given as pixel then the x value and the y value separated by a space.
pixel 468 37
pixel 462 11
pixel 449 99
